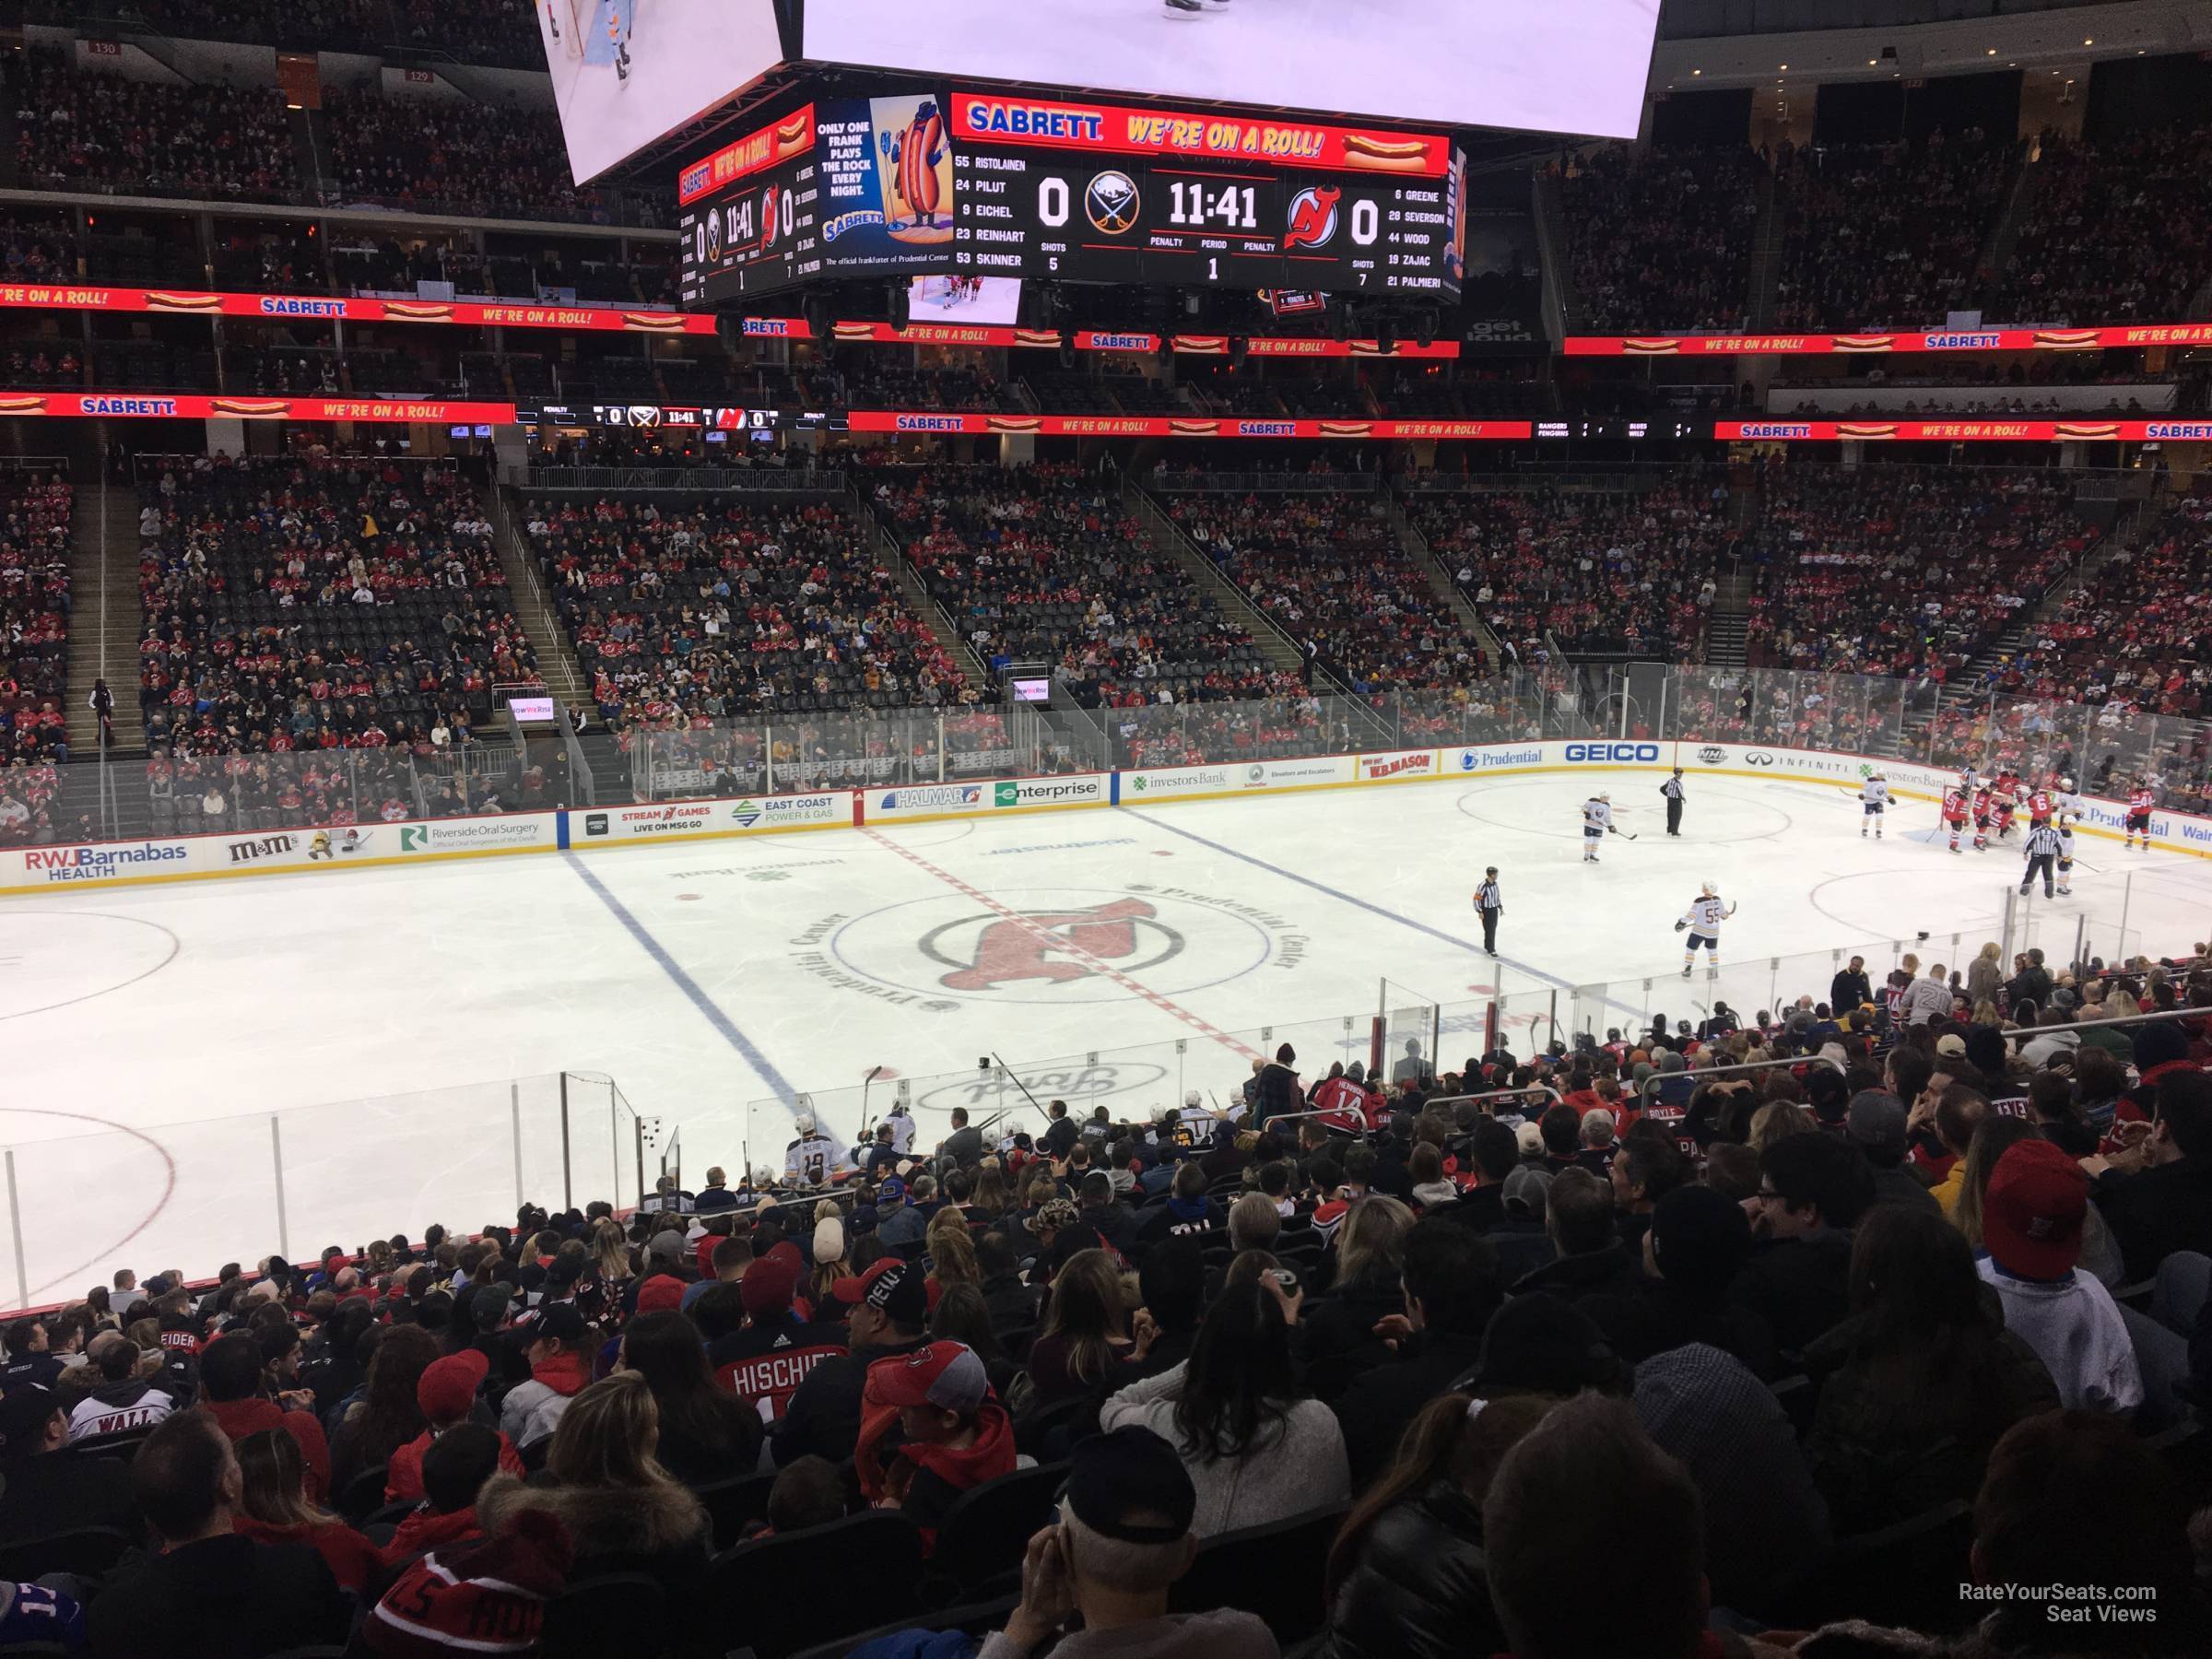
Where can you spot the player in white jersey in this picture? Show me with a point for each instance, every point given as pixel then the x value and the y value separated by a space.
pixel 1597 822
pixel 814 1157
pixel 2068 809
pixel 1702 921
pixel 902 1128
pixel 1874 800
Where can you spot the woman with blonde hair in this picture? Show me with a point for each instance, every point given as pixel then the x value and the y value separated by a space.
pixel 832 1258
pixel 273 1508
pixel 622 1511
pixel 993 1195
pixel 1984 977
pixel 1087 1339
pixel 951 1251
pixel 1339 1340
pixel 1777 1120
pixel 610 1256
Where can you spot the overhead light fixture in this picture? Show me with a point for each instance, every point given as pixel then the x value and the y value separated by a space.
pixel 1697 71
pixel 2089 40
pixel 1992 52
pixel 1786 67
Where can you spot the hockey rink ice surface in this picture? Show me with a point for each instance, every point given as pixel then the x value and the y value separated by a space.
pixel 146 1033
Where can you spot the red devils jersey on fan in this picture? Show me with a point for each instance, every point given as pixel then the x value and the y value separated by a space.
pixel 2142 801
pixel 1954 806
pixel 1341 1100
pixel 764 1365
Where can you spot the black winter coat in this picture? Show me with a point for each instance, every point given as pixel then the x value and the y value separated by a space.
pixel 1417 1589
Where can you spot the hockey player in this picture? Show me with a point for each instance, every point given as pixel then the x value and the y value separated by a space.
pixel 618 37
pixel 1597 821
pixel 2039 807
pixel 814 1157
pixel 1984 811
pixel 1955 808
pixel 2003 799
pixel 2140 800
pixel 1704 920
pixel 1874 800
pixel 902 1128
pixel 2066 809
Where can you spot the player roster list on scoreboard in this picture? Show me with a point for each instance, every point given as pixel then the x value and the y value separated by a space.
pixel 1051 192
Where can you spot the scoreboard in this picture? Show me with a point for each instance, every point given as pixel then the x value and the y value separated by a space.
pixel 1203 224
pixel 981 184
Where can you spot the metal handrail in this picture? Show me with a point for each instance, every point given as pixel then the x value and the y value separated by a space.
pixel 1498 1094
pixel 2029 1033
pixel 1753 1066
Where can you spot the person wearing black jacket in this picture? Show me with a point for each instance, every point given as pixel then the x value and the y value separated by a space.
pixel 1851 988
pixel 1592 1260
pixel 1449 1279
pixel 212 1593
pixel 1812 1191
pixel 1062 1131
pixel 890 1316
pixel 44 1489
pixel 1279 1091
pixel 1497 1154
pixel 1187 1209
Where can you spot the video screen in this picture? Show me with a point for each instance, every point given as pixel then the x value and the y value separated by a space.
pixel 628 72
pixel 964 298
pixel 1570 66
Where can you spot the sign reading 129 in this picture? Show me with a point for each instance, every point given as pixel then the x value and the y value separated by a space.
pixel 1233 207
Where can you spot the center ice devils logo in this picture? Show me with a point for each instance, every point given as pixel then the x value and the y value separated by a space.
pixel 1313 217
pixel 1057 946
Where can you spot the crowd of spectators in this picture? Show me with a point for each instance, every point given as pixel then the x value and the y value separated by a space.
pixel 452 155
pixel 1602 570
pixel 688 613
pixel 1042 564
pixel 2115 231
pixel 35 554
pixel 499 32
pixel 1906 570
pixel 1659 239
pixel 1346 1364
pixel 1888 236
pixel 321 634
pixel 1330 572
pixel 80 130
pixel 37 247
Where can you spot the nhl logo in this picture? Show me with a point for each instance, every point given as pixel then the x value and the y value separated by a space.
pixel 1712 754
pixel 1112 201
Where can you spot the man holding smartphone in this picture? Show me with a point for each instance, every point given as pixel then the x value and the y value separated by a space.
pixel 1121 1539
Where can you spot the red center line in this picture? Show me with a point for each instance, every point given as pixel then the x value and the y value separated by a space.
pixel 1067 947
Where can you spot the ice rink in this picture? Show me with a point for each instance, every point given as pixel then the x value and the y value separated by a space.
pixel 150 1032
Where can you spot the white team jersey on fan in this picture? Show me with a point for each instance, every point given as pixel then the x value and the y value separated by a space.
pixel 1705 915
pixel 1597 816
pixel 903 1131
pixel 812 1158
pixel 1874 792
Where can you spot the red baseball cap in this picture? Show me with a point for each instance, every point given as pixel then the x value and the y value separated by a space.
pixel 2032 1214
pixel 447 1387
pixel 945 1374
pixel 663 1293
pixel 768 1284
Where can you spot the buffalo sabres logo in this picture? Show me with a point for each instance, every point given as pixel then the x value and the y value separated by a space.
pixel 1112 201
pixel 1313 217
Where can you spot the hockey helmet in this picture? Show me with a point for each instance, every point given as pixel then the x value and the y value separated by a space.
pixel 2066 784
pixel 802 1120
pixel 1709 888
pixel 1603 796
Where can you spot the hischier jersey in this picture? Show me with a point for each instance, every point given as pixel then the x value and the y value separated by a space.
pixel 812 1158
pixel 764 1365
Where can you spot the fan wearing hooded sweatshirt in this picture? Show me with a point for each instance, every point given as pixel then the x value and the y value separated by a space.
pixel 929 1428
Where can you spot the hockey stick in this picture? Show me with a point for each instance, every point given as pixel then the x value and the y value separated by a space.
pixel 1624 834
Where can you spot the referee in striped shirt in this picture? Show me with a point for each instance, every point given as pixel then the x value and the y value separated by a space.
pixel 2043 848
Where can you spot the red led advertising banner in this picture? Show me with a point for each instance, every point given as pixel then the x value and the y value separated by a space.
pixel 1194 136
pixel 1178 426
pixel 329 308
pixel 793 136
pixel 1964 432
pixel 147 406
pixel 1855 345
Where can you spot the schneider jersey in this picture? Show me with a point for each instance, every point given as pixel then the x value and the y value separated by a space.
pixel 812 1158
pixel 1705 916
pixel 1597 817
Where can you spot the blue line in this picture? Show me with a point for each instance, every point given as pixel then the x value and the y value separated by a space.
pixel 687 984
pixel 1388 916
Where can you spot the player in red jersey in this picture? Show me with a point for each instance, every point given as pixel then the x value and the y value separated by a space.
pixel 2004 798
pixel 2039 807
pixel 2140 800
pixel 1984 810
pixel 1954 813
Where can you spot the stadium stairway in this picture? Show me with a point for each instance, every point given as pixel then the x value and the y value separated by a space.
pixel 556 658
pixel 1766 253
pixel 1440 582
pixel 1168 539
pixel 105 617
pixel 2005 235
pixel 890 554
pixel 1727 629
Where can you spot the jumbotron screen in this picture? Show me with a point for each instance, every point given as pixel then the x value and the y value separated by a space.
pixel 627 72
pixel 1563 67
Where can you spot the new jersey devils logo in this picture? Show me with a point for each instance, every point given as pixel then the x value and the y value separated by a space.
pixel 1057 946
pixel 1313 217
